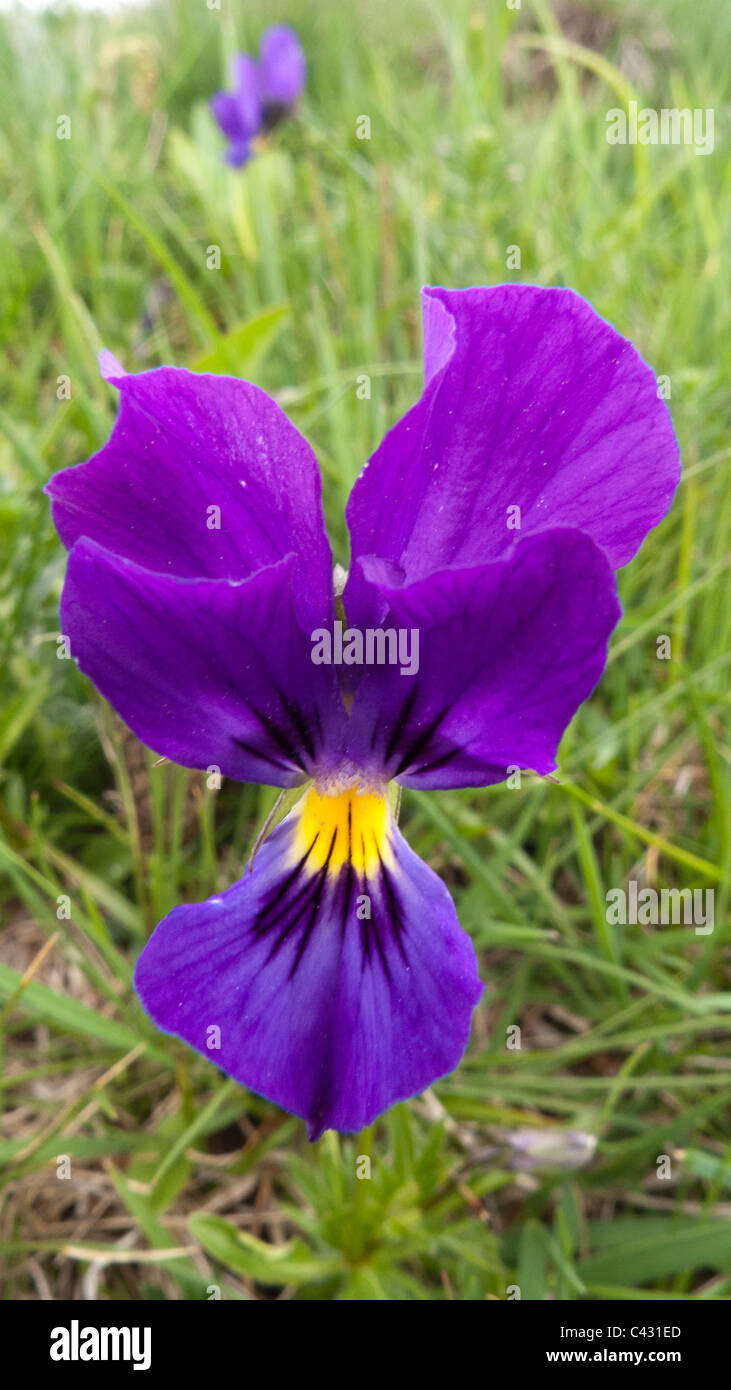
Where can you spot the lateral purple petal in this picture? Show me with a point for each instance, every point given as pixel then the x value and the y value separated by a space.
pixel 332 1017
pixel 532 402
pixel 209 673
pixel 506 654
pixel 202 477
pixel 227 112
pixel 282 66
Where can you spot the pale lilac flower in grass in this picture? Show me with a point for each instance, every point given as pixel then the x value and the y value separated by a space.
pixel 264 92
pixel 550 1148
pixel 201 639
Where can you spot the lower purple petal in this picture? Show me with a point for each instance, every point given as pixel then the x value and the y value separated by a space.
pixel 238 153
pixel 330 1013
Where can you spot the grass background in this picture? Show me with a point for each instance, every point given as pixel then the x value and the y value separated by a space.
pixel 487 131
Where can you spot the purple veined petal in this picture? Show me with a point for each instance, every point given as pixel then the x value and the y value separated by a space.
pixel 532 402
pixel 506 654
pixel 202 477
pixel 209 673
pixel 329 1013
pixel 282 66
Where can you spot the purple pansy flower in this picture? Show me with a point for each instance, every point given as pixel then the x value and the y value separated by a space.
pixel 264 92
pixel 336 970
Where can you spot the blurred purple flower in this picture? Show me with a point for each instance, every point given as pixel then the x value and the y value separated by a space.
pixel 264 92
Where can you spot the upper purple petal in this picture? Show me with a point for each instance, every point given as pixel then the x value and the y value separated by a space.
pixel 531 401
pixel 282 67
pixel 206 672
pixel 330 1014
pixel 247 81
pixel 239 113
pixel 202 477
pixel 506 654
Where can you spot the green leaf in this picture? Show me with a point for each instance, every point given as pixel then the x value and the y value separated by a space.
pixel 18 712
pixel 277 1265
pixel 240 349
pixel 532 1262
pixel 678 1248
pixel 61 1011
pixel 363 1286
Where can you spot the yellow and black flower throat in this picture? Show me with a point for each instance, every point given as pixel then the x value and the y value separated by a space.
pixel 340 870
pixel 351 828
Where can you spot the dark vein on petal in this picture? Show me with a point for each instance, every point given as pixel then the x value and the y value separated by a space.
pixel 315 907
pixel 400 724
pixel 350 874
pixel 437 762
pixel 393 904
pixel 278 736
pixel 262 757
pixel 259 926
pixel 421 742
pixel 296 718
pixel 269 919
pixel 374 926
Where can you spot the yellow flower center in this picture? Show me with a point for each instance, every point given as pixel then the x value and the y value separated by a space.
pixel 352 826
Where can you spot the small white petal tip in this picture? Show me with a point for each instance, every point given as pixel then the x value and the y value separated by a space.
pixel 109 367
